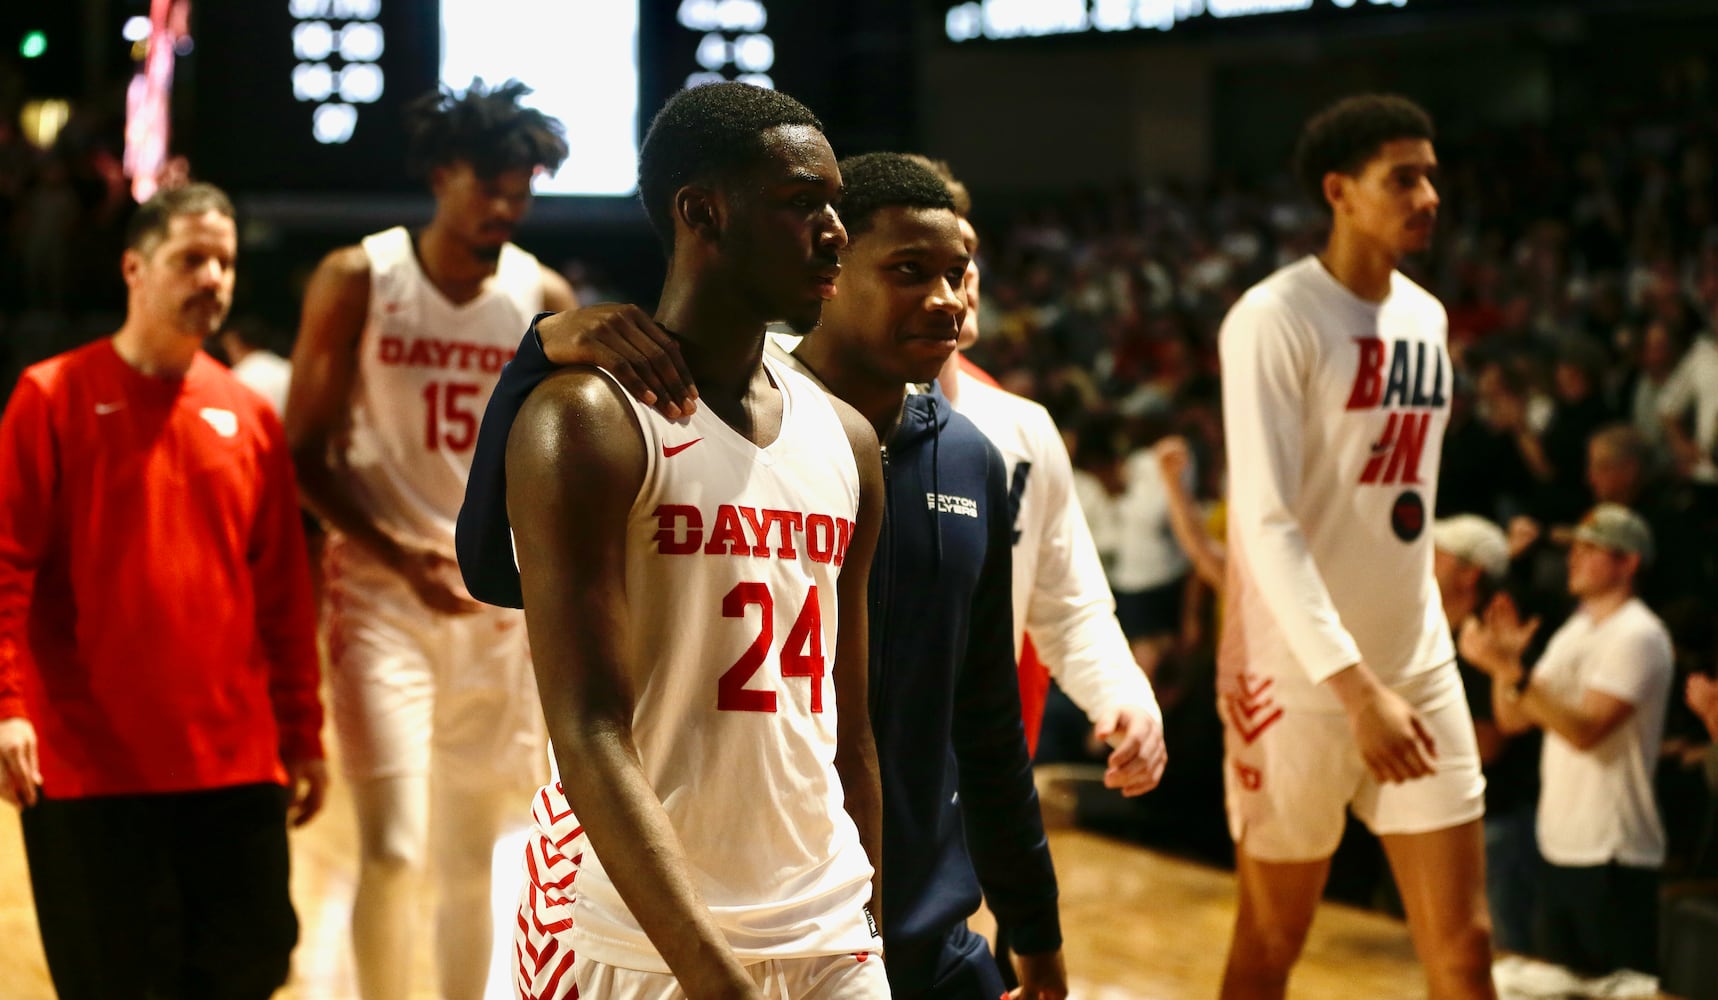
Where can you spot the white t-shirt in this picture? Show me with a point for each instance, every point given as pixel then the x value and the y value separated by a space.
pixel 732 562
pixel 1694 386
pixel 1596 805
pixel 1334 411
pixel 1102 522
pixel 426 369
pixel 268 374
pixel 1147 554
pixel 1061 597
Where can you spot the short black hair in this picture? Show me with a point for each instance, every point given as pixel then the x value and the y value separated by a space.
pixel 706 134
pixel 875 181
pixel 1343 137
pixel 148 225
pixel 488 129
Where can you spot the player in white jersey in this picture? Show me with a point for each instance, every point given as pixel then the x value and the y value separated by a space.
pixel 1065 624
pixel 695 587
pixel 402 340
pixel 1060 596
pixel 1338 685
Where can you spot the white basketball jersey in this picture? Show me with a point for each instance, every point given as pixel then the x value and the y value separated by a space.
pixel 732 557
pixel 426 368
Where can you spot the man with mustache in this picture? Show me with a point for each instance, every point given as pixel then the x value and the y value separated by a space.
pixel 158 665
pixel 401 341
pixel 1338 685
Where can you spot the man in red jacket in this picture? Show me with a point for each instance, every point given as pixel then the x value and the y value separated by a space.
pixel 158 664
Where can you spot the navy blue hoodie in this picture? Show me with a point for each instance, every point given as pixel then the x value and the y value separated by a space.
pixel 959 808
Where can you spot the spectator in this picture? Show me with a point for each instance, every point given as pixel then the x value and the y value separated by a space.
pixel 254 365
pixel 1599 693
pixel 1688 404
pixel 1621 469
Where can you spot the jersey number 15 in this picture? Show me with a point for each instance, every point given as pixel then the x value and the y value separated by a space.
pixel 449 420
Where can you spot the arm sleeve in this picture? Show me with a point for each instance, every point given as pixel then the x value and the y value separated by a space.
pixel 285 603
pixel 1633 664
pixel 28 483
pixel 1004 827
pixel 1265 370
pixel 483 537
pixel 1071 612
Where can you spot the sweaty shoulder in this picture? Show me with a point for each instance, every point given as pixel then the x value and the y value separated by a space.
pixel 349 265
pixel 575 419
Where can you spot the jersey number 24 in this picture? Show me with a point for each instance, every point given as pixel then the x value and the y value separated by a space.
pixel 801 654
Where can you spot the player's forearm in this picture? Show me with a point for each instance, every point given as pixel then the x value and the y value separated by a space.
pixel 1088 654
pixel 606 786
pixel 862 794
pixel 324 488
pixel 1289 583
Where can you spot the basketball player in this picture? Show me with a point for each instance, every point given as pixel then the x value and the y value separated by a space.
pixel 943 684
pixel 401 342
pixel 158 664
pixel 695 589
pixel 1064 614
pixel 1338 685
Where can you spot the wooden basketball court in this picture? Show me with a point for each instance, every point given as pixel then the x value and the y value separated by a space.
pixel 1139 926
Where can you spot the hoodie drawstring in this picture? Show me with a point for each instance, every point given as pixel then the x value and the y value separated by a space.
pixel 936 484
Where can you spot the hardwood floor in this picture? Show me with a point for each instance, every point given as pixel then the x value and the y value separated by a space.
pixel 1138 925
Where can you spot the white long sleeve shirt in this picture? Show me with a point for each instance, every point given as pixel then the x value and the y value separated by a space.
pixel 1061 597
pixel 1334 411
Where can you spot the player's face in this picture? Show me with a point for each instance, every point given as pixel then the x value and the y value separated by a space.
pixel 482 211
pixel 782 236
pixel 900 292
pixel 1393 202
pixel 969 286
pixel 185 281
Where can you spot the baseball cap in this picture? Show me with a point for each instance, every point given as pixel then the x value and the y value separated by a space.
pixel 1615 527
pixel 1473 539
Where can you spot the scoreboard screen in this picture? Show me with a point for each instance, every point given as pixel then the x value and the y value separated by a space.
pixel 308 95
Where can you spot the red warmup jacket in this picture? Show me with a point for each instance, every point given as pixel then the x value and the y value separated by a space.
pixel 156 619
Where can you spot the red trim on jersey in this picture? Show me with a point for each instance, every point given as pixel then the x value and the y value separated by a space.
pixel 971 370
pixel 1034 689
pixel 157 623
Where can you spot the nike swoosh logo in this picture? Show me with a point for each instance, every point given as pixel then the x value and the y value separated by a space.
pixel 668 452
pixel 103 409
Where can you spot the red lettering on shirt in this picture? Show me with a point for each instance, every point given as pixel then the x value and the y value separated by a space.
pixel 670 518
pixel 727 537
pixel 1369 376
